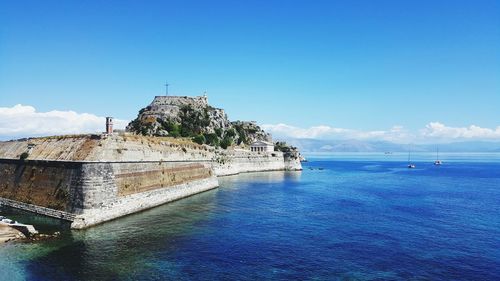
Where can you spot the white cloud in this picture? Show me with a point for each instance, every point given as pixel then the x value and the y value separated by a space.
pixel 440 131
pixel 24 120
pixel 397 133
pixel 433 132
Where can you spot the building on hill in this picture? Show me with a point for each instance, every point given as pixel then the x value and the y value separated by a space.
pixel 190 117
pixel 262 146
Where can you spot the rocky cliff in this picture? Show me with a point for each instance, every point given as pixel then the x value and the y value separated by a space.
pixel 193 117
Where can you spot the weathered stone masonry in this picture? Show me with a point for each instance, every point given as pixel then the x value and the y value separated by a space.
pixel 90 179
pixel 88 191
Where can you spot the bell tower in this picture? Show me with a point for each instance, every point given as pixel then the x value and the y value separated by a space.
pixel 109 125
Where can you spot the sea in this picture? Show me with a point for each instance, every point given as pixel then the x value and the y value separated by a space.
pixel 344 217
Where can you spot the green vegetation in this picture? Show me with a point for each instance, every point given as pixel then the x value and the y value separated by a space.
pixel 192 121
pixel 212 139
pixel 199 139
pixel 24 155
pixel 283 147
pixel 231 133
pixel 196 124
pixel 242 134
pixel 226 142
pixel 219 132
pixel 173 129
pixel 141 127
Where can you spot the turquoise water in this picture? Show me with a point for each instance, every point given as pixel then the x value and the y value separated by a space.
pixel 336 220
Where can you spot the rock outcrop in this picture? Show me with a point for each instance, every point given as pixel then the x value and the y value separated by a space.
pixel 8 233
pixel 193 117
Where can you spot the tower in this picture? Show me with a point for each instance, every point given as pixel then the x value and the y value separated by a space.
pixel 109 125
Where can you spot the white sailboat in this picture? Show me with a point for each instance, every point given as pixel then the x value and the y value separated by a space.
pixel 437 162
pixel 410 165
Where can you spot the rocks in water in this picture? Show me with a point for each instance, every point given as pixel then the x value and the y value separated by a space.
pixel 12 230
pixel 8 233
pixel 42 236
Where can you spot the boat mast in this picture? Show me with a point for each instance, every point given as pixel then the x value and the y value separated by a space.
pixel 409 150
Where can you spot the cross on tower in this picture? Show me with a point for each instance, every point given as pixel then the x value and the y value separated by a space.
pixel 166 88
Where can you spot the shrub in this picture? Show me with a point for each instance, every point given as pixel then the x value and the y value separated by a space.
pixel 199 139
pixel 218 132
pixel 231 133
pixel 24 155
pixel 212 139
pixel 226 142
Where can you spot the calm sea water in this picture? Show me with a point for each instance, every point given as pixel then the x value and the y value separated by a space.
pixel 336 220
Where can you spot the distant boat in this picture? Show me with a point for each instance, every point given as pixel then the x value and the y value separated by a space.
pixel 437 162
pixel 410 165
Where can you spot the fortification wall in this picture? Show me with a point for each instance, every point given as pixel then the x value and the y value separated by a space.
pixel 62 148
pixel 180 101
pixel 92 179
pixel 235 162
pixel 138 186
pixel 105 148
pixel 93 192
pixel 142 201
pixel 46 184
pixel 293 164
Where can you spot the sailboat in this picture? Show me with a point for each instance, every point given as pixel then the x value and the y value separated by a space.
pixel 410 165
pixel 437 162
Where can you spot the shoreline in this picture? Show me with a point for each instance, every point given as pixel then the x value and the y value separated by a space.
pixel 8 233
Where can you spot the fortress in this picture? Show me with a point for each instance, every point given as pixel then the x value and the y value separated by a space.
pixel 90 179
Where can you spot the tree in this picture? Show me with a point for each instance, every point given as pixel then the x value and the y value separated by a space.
pixel 212 139
pixel 173 128
pixel 226 142
pixel 24 155
pixel 231 133
pixel 218 132
pixel 199 139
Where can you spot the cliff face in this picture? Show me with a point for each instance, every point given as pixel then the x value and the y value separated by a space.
pixel 154 119
pixel 194 117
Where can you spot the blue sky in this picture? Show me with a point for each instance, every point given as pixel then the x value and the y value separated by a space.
pixel 357 65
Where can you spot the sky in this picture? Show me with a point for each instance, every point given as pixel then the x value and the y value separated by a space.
pixel 392 70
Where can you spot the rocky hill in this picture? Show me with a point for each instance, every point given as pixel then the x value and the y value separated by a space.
pixel 193 117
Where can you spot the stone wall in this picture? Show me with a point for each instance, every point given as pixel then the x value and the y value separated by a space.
pixel 91 179
pixel 63 148
pixel 292 162
pixel 142 201
pixel 37 209
pixel 132 178
pixel 93 192
pixel 131 148
pixel 242 161
pixel 197 102
pixel 42 183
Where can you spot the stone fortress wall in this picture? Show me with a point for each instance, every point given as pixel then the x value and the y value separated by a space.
pixel 171 105
pixel 163 106
pixel 198 102
pixel 90 179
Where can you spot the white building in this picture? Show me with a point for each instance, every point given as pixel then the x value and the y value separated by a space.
pixel 262 146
